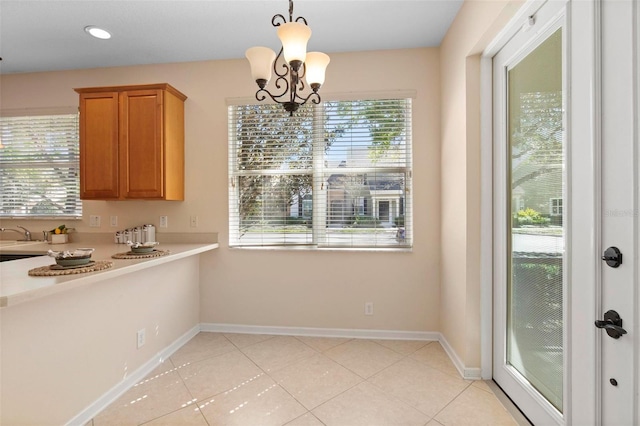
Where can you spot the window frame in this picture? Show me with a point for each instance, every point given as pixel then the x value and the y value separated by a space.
pixel 403 206
pixel 70 118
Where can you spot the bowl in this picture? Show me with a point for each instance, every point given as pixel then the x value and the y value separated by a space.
pixel 142 249
pixel 73 260
pixel 76 257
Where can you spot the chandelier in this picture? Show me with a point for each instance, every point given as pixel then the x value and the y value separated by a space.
pixel 297 64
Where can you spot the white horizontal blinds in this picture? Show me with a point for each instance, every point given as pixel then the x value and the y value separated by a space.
pixel 39 164
pixel 334 175
pixel 366 174
pixel 271 171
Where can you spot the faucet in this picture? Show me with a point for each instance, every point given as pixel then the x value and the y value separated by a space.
pixel 26 233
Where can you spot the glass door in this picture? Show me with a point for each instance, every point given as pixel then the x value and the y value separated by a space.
pixel 529 350
pixel 565 196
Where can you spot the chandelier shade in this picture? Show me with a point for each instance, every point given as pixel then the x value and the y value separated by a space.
pixel 294 37
pixel 316 64
pixel 296 66
pixel 261 60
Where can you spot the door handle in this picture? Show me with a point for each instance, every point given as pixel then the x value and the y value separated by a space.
pixel 612 323
pixel 608 325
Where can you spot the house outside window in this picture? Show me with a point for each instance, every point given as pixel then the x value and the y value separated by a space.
pixel 333 175
pixel 555 206
pixel 39 164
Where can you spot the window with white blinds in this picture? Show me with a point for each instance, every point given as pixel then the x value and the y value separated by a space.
pixel 39 163
pixel 332 175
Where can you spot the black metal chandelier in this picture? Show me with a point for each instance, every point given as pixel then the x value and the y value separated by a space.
pixel 297 64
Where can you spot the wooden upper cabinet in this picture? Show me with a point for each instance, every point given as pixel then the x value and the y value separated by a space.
pixel 132 142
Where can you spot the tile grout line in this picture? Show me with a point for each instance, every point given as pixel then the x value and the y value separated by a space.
pixel 408 356
pixel 450 402
pixel 366 379
pixel 319 352
pixel 197 402
pixel 274 380
pixel 393 397
pixel 285 389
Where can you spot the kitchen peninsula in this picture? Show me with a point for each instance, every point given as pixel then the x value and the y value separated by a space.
pixel 18 287
pixel 72 343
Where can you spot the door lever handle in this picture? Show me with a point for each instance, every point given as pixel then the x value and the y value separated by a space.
pixel 609 325
pixel 612 323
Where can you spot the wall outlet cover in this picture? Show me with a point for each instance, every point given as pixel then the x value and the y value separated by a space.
pixel 142 338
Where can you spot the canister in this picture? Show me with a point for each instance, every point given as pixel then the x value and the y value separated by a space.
pixel 137 235
pixel 148 233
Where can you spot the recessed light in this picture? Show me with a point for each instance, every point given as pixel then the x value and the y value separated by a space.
pixel 98 32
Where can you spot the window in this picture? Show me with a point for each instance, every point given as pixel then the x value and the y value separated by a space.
pixel 332 175
pixel 39 162
pixel 555 205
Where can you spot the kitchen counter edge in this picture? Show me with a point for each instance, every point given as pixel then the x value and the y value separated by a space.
pixel 18 287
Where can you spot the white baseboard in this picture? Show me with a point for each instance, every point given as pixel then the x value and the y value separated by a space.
pixel 321 332
pixel 114 393
pixel 466 373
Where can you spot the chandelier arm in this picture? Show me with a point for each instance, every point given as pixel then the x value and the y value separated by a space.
pixel 301 18
pixel 299 88
pixel 293 94
pixel 282 83
pixel 262 94
pixel 274 20
pixel 302 72
pixel 314 97
pixel 283 64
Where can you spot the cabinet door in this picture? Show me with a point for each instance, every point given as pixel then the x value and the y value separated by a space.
pixel 141 143
pixel 99 146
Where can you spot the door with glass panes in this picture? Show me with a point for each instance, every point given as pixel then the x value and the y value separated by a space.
pixel 565 205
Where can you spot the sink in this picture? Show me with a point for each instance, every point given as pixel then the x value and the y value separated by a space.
pixel 5 243
pixel 6 257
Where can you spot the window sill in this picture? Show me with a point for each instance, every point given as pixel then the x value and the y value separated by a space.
pixel 339 249
pixel 40 217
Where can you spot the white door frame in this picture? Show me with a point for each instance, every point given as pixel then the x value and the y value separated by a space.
pixel 619 375
pixel 637 206
pixel 581 390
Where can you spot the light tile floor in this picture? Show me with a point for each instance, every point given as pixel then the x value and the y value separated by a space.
pixel 250 380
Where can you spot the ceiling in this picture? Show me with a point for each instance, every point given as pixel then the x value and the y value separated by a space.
pixel 49 35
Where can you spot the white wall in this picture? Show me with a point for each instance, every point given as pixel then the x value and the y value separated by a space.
pixel 278 287
pixel 63 352
pixel 477 22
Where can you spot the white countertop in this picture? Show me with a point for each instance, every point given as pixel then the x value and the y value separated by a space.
pixel 16 286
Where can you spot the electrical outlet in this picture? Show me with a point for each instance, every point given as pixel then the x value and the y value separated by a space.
pixel 194 221
pixel 114 221
pixel 142 337
pixel 368 308
pixel 94 221
pixel 164 221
